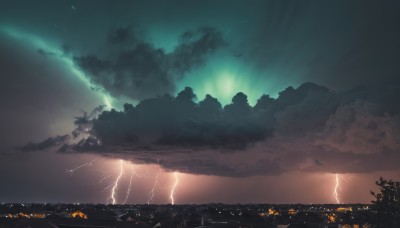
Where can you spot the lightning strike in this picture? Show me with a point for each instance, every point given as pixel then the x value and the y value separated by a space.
pixel 108 187
pixel 128 191
pixel 115 185
pixel 103 179
pixel 152 191
pixel 59 54
pixel 72 171
pixel 336 189
pixel 173 188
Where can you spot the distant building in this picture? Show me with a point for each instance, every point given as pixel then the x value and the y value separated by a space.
pixel 79 214
pixel 292 211
pixel 344 209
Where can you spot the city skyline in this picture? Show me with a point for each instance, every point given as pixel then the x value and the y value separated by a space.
pixel 195 102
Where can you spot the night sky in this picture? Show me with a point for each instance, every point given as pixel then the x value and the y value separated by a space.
pixel 205 101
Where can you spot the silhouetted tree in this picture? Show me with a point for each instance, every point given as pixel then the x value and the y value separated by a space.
pixel 387 203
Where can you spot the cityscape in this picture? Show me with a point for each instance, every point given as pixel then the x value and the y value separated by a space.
pixel 207 215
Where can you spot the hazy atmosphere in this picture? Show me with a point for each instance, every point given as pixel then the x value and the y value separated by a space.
pixel 198 101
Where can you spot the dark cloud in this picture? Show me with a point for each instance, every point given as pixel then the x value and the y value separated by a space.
pixel 179 121
pixel 36 82
pixel 122 36
pixel 193 47
pixel 136 69
pixel 309 128
pixel 306 128
pixel 83 124
pixel 46 144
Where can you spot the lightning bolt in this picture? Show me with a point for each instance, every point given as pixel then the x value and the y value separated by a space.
pixel 152 191
pixel 103 179
pixel 128 191
pixel 336 189
pixel 59 54
pixel 72 171
pixel 173 188
pixel 115 184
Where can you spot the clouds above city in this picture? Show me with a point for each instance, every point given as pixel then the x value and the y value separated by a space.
pixel 217 89
pixel 131 66
pixel 309 128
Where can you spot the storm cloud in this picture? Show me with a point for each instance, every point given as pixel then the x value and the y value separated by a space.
pixel 309 128
pixel 60 57
pixel 46 144
pixel 134 68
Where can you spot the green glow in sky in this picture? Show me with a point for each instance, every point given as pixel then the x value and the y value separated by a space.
pixel 65 60
pixel 224 76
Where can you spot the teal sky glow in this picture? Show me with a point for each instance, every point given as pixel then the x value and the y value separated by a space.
pixel 49 47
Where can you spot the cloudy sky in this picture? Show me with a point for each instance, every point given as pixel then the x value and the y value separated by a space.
pixel 204 101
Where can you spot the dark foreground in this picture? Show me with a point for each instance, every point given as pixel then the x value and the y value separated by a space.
pixel 175 216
